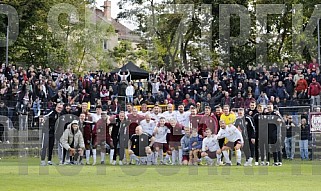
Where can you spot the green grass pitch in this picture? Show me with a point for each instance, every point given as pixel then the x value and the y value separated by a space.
pixel 22 174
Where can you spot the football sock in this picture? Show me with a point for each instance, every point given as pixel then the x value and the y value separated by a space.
pixel 87 155
pixel 160 153
pixel 112 151
pixel 238 155
pixel 174 156
pixel 226 156
pixel 218 156
pixel 102 156
pixel 180 156
pixel 94 155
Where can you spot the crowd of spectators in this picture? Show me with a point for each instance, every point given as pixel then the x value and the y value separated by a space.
pixel 35 90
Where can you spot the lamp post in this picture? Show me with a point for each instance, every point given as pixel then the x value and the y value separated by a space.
pixel 7 46
pixel 319 56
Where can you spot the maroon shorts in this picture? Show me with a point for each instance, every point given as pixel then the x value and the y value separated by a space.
pixel 90 141
pixel 185 157
pixel 174 145
pixel 233 144
pixel 163 146
pixel 212 155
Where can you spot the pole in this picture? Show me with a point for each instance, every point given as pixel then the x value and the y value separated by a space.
pixel 319 59
pixel 7 46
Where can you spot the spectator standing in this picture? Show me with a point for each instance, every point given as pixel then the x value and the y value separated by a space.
pixel 314 92
pixel 130 93
pixel 289 138
pixel 304 142
pixel 301 87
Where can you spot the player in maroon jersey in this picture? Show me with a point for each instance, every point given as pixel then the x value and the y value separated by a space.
pixel 174 140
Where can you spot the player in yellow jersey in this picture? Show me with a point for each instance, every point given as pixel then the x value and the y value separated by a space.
pixel 228 116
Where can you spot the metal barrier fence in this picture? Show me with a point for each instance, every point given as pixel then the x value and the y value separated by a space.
pixel 22 139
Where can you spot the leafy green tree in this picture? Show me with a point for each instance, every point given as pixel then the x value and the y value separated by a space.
pixel 72 40
pixel 123 53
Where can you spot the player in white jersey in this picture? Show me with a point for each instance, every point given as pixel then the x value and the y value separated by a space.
pixel 156 115
pixel 129 109
pixel 143 110
pixel 96 116
pixel 211 148
pixel 148 125
pixel 183 117
pixel 170 113
pixel 160 134
pixel 235 140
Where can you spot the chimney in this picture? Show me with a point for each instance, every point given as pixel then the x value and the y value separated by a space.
pixel 107 9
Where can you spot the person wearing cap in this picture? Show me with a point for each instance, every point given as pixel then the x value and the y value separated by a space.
pixel 314 92
pixel 72 140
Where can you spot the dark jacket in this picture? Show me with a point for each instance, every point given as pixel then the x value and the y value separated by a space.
pixel 50 121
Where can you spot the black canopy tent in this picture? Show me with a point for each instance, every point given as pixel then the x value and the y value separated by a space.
pixel 135 72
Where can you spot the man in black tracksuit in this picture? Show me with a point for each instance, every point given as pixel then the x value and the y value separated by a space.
pixel 275 122
pixel 246 125
pixel 260 138
pixel 49 131
pixel 119 135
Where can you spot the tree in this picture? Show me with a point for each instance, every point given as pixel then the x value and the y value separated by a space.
pixel 123 53
pixel 86 46
pixel 189 42
pixel 71 40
